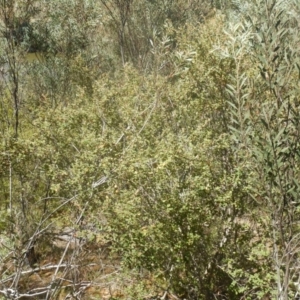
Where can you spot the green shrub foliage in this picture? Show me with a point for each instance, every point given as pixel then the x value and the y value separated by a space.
pixel 163 132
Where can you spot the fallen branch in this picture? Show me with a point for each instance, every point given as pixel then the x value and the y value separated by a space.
pixel 44 268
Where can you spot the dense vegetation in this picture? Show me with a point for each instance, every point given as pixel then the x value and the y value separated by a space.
pixel 149 149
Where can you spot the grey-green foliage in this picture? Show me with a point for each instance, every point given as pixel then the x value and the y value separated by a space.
pixel 136 24
pixel 65 26
pixel 69 53
pixel 266 125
